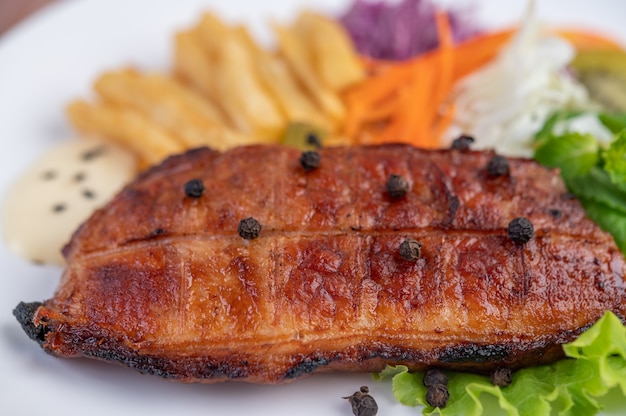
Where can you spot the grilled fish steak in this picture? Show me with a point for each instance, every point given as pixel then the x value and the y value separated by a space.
pixel 162 281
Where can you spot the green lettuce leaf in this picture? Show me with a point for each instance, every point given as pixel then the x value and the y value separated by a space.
pixel 597 176
pixel 547 130
pixel 597 186
pixel 573 386
pixel 615 159
pixel 609 219
pixel 574 153
pixel 614 122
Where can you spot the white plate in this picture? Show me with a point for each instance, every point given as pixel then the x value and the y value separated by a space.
pixel 52 58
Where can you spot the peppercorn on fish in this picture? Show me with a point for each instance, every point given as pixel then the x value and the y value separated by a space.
pixel 248 265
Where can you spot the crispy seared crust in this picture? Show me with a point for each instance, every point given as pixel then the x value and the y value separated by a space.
pixel 162 282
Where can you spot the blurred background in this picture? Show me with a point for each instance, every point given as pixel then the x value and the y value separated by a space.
pixel 12 11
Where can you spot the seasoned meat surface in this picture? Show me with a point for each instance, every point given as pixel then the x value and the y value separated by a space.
pixel 163 282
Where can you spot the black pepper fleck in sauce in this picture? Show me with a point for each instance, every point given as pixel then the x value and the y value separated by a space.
pixel 521 230
pixel 410 249
pixel 194 188
pixel 80 176
pixel 310 160
pixel 92 154
pixel 498 166
pixel 397 186
pixel 363 404
pixel 89 194
pixel 58 208
pixel 48 175
pixel 249 228
pixel 463 142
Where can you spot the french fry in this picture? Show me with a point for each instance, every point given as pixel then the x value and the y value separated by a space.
pixel 226 90
pixel 237 83
pixel 281 83
pixel 186 115
pixel 212 31
pixel 192 63
pixel 126 127
pixel 334 56
pixel 298 55
pixel 156 94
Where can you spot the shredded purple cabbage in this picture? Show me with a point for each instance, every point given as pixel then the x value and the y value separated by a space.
pixel 402 30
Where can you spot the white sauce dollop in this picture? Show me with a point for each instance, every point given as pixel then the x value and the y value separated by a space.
pixel 60 191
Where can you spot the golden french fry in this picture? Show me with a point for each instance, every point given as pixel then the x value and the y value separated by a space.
pixel 228 91
pixel 212 31
pixel 298 55
pixel 126 127
pixel 281 83
pixel 334 56
pixel 192 63
pixel 242 93
pixel 186 115
pixel 156 95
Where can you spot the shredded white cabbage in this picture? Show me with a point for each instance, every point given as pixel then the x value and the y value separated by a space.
pixel 585 123
pixel 506 102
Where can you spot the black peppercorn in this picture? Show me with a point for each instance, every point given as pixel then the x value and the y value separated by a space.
pixel 312 139
pixel 310 160
pixel 521 230
pixel 397 186
pixel 437 395
pixel 498 166
pixel 501 377
pixel 194 188
pixel 410 249
pixel 434 376
pixel 249 228
pixel 462 142
pixel 362 403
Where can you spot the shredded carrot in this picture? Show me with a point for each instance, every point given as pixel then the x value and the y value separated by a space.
pixel 477 51
pixel 410 124
pixel 384 110
pixel 588 40
pixel 417 101
pixel 407 101
pixel 410 96
pixel 447 57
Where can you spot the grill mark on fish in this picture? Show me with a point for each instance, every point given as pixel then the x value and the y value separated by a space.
pixel 340 232
pixel 450 202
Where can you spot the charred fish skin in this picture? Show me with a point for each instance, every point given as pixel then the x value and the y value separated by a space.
pixel 164 283
pixel 24 313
